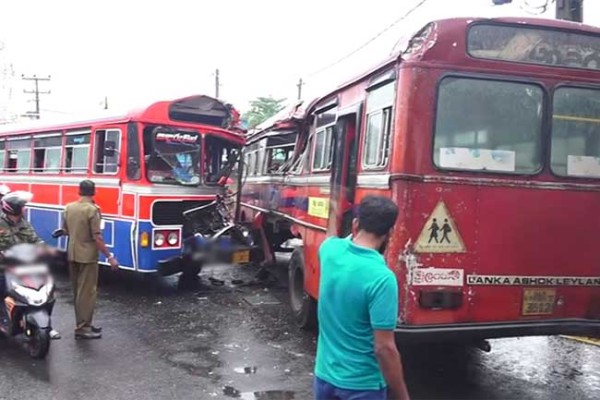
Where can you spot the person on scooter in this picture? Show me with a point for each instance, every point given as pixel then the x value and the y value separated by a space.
pixel 15 229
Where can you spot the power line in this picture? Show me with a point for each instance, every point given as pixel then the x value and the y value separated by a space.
pixel 371 40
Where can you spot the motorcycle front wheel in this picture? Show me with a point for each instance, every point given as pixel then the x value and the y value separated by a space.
pixel 39 344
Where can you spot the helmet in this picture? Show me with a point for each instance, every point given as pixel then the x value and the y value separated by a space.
pixel 4 190
pixel 14 202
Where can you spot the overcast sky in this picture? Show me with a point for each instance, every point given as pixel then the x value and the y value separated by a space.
pixel 135 52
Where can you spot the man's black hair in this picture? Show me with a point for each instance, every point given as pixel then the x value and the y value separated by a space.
pixel 377 215
pixel 87 188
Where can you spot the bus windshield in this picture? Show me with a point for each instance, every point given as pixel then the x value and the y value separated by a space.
pixel 172 157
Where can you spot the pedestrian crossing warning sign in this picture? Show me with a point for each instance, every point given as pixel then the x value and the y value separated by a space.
pixel 439 235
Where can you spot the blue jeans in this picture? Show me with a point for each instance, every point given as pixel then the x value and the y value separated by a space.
pixel 326 391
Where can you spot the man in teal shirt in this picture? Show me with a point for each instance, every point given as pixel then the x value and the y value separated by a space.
pixel 357 358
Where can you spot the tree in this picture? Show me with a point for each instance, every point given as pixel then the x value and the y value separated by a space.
pixel 261 109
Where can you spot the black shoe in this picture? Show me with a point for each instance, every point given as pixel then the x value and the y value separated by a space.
pixel 96 329
pixel 87 335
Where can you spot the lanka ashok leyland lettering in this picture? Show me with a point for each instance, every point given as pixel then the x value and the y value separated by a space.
pixel 486 133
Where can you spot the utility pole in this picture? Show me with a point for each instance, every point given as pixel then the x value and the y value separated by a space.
pixel 299 85
pixel 217 83
pixel 106 102
pixel 35 114
pixel 570 10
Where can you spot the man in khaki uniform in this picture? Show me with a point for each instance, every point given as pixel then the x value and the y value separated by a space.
pixel 81 223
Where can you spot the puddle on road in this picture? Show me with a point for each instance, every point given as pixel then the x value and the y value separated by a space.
pixel 246 370
pixel 230 391
pixel 260 299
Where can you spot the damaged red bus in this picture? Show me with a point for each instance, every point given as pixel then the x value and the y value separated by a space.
pixel 486 133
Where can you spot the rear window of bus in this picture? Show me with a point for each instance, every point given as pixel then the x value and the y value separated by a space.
pixel 575 150
pixel 488 125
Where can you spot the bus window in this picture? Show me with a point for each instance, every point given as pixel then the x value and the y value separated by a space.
pixel 77 148
pixel 19 155
pixel 488 125
pixel 217 155
pixel 46 154
pixel 2 155
pixel 134 171
pixel 280 150
pixel 576 132
pixel 323 153
pixel 108 145
pixel 172 156
pixel 379 121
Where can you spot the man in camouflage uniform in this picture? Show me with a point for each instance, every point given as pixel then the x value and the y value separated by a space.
pixel 15 229
pixel 82 223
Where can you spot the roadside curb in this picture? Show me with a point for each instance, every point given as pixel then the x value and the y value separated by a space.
pixel 587 340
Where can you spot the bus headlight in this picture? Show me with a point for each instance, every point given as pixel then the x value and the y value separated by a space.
pixel 159 239
pixel 173 238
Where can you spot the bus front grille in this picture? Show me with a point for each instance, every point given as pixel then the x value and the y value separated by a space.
pixel 171 212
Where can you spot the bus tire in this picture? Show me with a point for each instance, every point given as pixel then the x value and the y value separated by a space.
pixel 304 306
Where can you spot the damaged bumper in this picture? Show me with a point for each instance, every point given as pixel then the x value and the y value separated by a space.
pixel 238 255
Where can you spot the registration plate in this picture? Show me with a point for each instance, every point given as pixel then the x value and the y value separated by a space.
pixel 538 301
pixel 241 257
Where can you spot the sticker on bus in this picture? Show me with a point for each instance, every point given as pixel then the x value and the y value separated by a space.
pixel 318 207
pixel 438 277
pixel 439 235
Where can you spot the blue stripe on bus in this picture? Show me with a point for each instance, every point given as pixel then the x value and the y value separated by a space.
pixel 46 220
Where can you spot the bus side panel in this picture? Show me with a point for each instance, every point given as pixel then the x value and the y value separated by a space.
pixel 45 193
pixel 45 221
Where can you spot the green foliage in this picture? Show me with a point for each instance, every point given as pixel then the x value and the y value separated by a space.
pixel 261 109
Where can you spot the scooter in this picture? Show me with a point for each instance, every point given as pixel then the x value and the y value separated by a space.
pixel 25 312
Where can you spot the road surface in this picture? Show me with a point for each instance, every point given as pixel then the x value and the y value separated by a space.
pixel 238 341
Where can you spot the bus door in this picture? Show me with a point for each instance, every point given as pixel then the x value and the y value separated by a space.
pixel 344 170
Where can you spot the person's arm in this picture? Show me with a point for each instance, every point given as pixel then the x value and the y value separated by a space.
pixel 383 313
pixel 29 234
pixel 96 231
pixel 65 229
pixel 391 365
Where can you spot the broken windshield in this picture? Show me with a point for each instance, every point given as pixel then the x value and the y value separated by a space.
pixel 172 156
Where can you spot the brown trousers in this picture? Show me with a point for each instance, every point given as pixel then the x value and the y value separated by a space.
pixel 84 279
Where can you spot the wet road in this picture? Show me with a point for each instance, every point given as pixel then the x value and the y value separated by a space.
pixel 238 341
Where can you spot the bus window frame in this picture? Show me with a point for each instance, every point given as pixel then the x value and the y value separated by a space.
pixel 16 170
pixel 550 130
pixel 3 152
pixel 118 150
pixel 391 80
pixel 61 147
pixel 79 171
pixel 545 125
pixel 323 129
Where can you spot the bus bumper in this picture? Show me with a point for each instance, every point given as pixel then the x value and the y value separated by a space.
pixel 238 255
pixel 480 331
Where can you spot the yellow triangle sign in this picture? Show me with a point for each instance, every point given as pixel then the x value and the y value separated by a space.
pixel 439 235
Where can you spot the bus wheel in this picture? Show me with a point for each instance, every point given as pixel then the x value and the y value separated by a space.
pixel 304 307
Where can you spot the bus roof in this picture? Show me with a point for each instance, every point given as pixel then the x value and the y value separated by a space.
pixel 197 109
pixel 285 120
pixel 452 32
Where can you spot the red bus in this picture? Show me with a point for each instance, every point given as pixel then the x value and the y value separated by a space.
pixel 149 166
pixel 486 133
